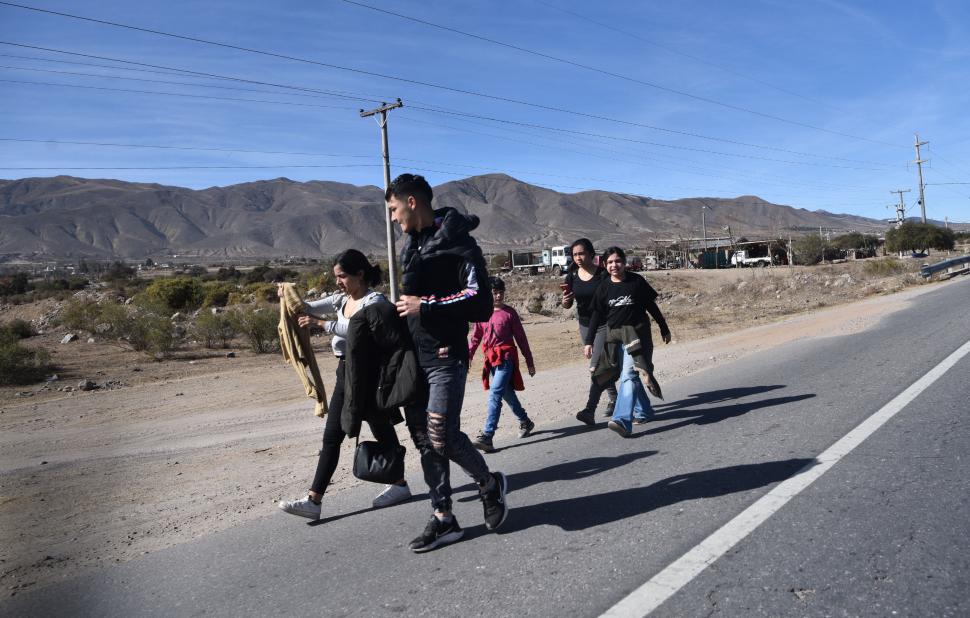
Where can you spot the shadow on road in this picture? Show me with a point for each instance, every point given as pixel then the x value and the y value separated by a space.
pixel 563 432
pixel 584 512
pixel 716 415
pixel 566 471
pixel 725 394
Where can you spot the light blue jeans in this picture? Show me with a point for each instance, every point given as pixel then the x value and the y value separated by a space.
pixel 499 388
pixel 631 399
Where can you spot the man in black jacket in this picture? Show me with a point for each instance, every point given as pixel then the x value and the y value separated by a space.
pixel 444 286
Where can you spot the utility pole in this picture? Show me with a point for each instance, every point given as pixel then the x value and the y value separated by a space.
pixel 704 232
pixel 391 251
pixel 919 166
pixel 901 207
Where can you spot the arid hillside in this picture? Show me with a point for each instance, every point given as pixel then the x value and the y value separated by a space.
pixel 64 217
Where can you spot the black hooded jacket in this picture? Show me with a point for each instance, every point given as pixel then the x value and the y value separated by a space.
pixel 444 266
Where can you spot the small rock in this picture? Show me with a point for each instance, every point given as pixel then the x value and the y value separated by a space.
pixel 216 310
pixel 86 385
pixel 191 362
pixel 68 338
pixel 177 316
pixel 44 463
pixel 230 355
pixel 53 378
pixel 136 369
pixel 90 339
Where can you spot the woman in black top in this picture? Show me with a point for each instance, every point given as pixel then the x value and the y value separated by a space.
pixel 578 286
pixel 624 299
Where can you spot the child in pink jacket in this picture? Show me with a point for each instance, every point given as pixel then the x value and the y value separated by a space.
pixel 501 375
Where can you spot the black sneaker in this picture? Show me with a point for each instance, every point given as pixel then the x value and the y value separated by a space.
pixel 585 416
pixel 483 442
pixel 436 534
pixel 493 501
pixel 526 427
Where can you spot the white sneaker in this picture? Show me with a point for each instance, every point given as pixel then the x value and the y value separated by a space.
pixel 392 494
pixel 304 507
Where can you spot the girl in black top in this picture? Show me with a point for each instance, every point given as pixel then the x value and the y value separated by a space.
pixel 579 285
pixel 624 299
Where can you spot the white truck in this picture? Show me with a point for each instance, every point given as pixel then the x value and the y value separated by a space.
pixel 743 258
pixel 553 259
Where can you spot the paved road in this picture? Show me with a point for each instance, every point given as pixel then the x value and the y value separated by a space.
pixel 595 516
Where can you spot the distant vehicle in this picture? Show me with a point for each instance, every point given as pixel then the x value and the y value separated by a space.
pixel 742 258
pixel 554 259
pixel 634 263
pixel 919 254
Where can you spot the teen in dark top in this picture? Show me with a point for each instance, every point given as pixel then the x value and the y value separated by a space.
pixel 625 299
pixel 581 282
pixel 444 286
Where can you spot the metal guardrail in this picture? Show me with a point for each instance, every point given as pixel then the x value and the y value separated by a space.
pixel 928 270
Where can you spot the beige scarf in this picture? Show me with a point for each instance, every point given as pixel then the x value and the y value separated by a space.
pixel 297 351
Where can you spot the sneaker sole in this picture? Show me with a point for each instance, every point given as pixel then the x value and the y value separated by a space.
pixel 483 448
pixel 300 513
pixel 618 428
pixel 444 539
pixel 504 486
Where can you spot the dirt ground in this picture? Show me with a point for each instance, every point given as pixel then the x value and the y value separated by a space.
pixel 164 452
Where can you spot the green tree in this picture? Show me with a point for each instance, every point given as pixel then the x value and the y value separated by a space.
pixel 809 250
pixel 912 236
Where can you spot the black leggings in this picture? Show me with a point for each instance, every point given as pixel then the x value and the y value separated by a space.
pixel 333 435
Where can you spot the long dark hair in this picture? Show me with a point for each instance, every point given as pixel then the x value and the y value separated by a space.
pixel 354 262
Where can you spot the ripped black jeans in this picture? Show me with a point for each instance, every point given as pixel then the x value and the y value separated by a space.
pixel 435 426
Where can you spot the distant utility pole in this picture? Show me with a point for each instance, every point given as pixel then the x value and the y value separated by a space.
pixel 919 166
pixel 391 252
pixel 901 208
pixel 704 225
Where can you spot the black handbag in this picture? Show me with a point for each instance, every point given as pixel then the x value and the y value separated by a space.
pixel 379 463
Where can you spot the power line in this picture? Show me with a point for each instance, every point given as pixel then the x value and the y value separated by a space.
pixel 432 109
pixel 166 147
pixel 632 140
pixel 684 55
pixel 617 75
pixel 381 75
pixel 310 154
pixel 191 72
pixel 172 94
pixel 192 167
pixel 427 109
pixel 169 82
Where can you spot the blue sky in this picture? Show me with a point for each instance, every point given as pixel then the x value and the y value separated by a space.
pixel 813 104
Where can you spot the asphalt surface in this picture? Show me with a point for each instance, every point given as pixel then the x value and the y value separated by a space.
pixel 884 532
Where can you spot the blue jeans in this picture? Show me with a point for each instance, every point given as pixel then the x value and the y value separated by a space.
pixel 499 388
pixel 631 398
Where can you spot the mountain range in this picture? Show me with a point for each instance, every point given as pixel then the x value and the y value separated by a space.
pixel 63 216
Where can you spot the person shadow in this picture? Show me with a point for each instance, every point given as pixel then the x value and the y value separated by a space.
pixel 591 510
pixel 566 471
pixel 707 416
pixel 551 434
pixel 718 396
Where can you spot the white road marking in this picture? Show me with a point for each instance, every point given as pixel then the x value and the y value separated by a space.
pixel 675 576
